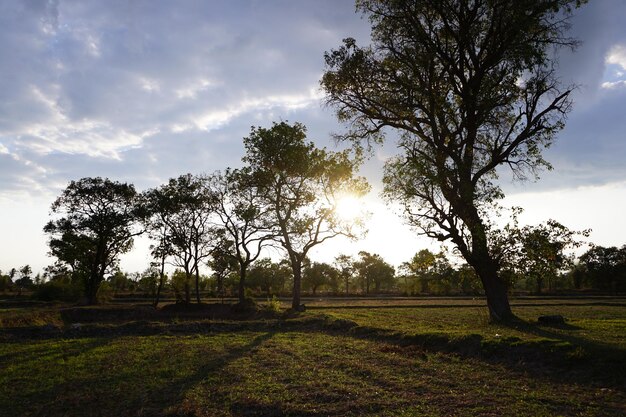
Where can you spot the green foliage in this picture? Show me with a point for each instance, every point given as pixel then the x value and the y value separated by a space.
pixel 374 274
pixel 320 275
pixel 95 227
pixel 105 293
pixel 58 290
pixel 269 277
pixel 300 185
pixel 273 305
pixel 604 268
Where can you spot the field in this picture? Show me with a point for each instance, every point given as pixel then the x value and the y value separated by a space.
pixel 342 357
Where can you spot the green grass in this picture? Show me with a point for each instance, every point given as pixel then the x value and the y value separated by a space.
pixel 314 365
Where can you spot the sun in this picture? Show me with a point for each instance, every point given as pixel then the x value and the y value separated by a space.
pixel 349 207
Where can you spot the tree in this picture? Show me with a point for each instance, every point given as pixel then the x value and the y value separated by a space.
pixel 270 277
pixel 605 268
pixel 96 227
pixel 420 267
pixel 373 270
pixel 542 254
pixel 244 218
pixel 300 185
pixel 345 266
pixel 469 86
pixel 319 274
pixel 182 212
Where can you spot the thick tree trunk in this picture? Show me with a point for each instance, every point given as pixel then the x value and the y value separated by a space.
pixel 496 291
pixel 187 289
pixel 242 283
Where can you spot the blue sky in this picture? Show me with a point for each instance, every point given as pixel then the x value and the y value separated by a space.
pixel 142 91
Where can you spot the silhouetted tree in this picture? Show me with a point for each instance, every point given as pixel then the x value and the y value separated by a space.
pixel 345 266
pixel 319 274
pixel 95 228
pixel 300 185
pixel 605 268
pixel 469 86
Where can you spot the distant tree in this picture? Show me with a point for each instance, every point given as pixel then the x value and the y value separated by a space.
pixel 25 280
pixel 420 268
pixel 183 210
pixel 469 86
pixel 345 266
pixel 97 225
pixel 542 255
pixel 372 270
pixel 301 186
pixel 605 268
pixel 222 263
pixel 319 274
pixel 244 217
pixel 270 277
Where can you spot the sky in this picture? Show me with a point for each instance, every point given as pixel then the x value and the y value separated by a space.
pixel 142 91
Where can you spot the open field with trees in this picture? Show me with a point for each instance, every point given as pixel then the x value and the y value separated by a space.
pixel 342 356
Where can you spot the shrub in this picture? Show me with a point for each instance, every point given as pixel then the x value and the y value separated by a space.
pixel 57 291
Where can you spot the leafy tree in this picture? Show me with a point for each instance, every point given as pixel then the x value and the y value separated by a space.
pixel 605 268
pixel 222 263
pixel 345 265
pixel 320 274
pixel 244 217
pixel 469 86
pixel 270 277
pixel 372 270
pixel 95 228
pixel 25 280
pixel 542 255
pixel 420 268
pixel 300 185
pixel 182 213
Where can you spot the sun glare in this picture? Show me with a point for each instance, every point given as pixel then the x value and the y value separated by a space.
pixel 349 207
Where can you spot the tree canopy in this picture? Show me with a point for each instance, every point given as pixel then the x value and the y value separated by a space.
pixel 301 185
pixel 95 228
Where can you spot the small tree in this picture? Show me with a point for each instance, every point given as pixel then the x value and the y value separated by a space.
pixel 182 211
pixel 374 271
pixel 300 186
pixel 319 274
pixel 345 266
pixel 96 227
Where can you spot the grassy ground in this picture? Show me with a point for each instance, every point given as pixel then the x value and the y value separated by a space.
pixel 361 358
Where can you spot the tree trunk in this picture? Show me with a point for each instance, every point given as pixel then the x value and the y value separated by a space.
pixel 242 283
pixel 197 285
pixel 297 284
pixel 495 289
pixel 161 280
pixel 187 289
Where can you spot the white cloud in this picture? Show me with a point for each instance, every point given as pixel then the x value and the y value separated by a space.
pixel 617 56
pixel 610 85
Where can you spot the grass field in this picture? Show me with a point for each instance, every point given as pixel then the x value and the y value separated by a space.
pixel 342 357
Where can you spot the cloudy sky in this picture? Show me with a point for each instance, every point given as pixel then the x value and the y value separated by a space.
pixel 142 91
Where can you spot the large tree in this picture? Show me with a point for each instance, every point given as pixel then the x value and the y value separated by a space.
pixel 469 86
pixel 95 228
pixel 301 185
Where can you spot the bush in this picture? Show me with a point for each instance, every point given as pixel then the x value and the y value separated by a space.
pixel 57 291
pixel 273 305
pixel 105 293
